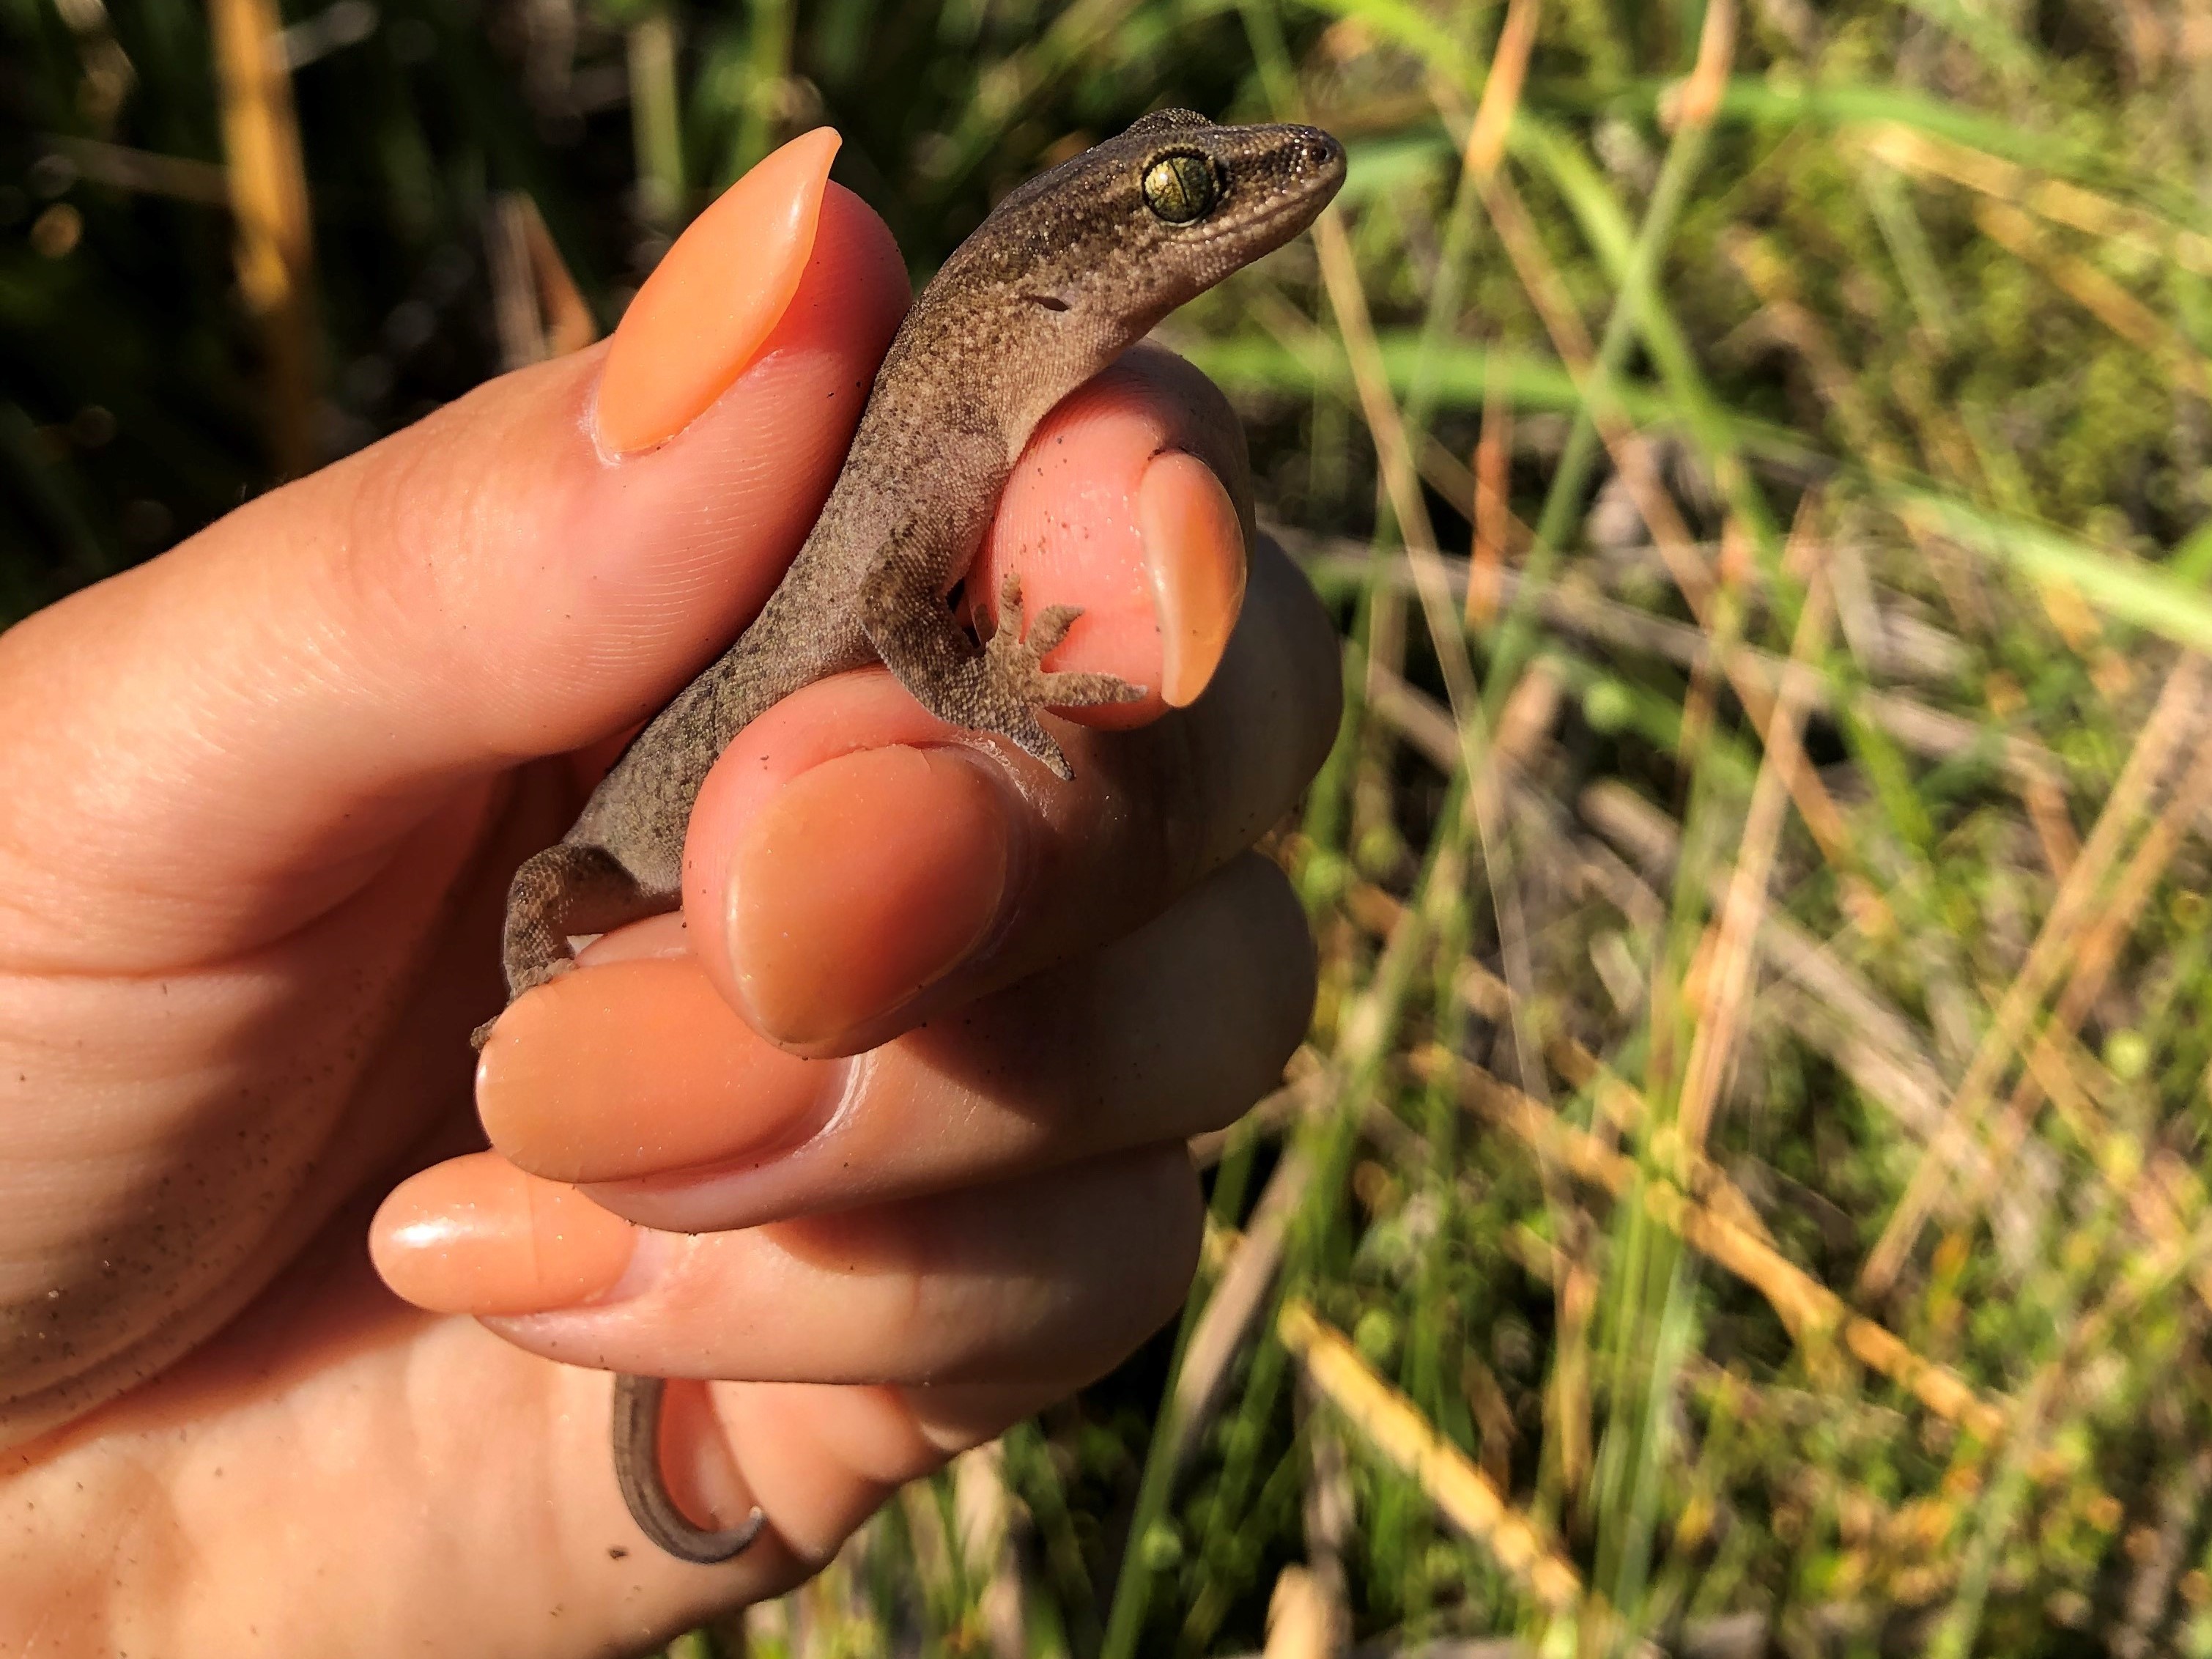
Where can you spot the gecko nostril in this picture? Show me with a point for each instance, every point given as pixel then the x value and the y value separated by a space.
pixel 1319 151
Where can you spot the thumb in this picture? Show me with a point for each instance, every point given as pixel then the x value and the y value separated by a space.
pixel 249 723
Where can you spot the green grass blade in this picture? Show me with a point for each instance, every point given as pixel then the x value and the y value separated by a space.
pixel 2146 596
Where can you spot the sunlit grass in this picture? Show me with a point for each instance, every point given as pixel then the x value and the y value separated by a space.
pixel 1745 1183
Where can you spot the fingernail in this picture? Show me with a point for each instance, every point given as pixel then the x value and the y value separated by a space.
pixel 637 1068
pixel 1194 547
pixel 864 880
pixel 476 1236
pixel 714 298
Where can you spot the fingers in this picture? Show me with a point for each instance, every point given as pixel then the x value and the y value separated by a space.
pixel 855 868
pixel 274 702
pixel 639 1077
pixel 1003 1284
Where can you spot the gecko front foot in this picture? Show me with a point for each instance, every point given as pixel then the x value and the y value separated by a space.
pixel 1014 682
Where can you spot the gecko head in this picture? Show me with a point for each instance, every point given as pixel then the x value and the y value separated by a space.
pixel 1137 225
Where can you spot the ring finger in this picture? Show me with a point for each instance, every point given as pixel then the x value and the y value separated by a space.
pixel 1001 1283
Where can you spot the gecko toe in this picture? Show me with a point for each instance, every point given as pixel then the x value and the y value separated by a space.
pixel 1087 690
pixel 1051 627
pixel 1034 739
pixel 1001 688
pixel 1056 762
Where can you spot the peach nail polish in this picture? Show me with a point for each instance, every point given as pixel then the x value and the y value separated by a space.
pixel 638 1068
pixel 1194 547
pixel 861 882
pixel 475 1235
pixel 714 298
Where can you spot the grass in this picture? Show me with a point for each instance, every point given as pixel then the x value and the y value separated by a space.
pixel 1745 1187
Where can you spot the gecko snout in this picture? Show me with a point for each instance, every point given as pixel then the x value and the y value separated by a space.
pixel 1317 155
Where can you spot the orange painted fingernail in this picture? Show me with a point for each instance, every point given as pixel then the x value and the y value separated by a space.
pixel 475 1235
pixel 639 1068
pixel 714 298
pixel 1195 548
pixel 861 882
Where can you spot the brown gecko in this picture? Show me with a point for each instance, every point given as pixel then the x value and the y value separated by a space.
pixel 1066 273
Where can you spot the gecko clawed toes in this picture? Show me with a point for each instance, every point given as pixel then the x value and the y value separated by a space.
pixel 1016 684
pixel 1014 658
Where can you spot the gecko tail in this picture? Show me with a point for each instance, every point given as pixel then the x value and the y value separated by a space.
pixel 637 1472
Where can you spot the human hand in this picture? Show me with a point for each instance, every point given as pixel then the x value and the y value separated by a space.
pixel 265 794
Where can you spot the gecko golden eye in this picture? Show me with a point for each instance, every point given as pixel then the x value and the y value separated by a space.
pixel 1179 187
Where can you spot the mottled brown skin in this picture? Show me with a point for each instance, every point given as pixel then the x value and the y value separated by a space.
pixel 1066 273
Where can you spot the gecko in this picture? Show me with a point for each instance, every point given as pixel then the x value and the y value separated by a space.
pixel 1067 272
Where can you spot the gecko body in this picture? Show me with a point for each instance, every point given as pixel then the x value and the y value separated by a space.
pixel 1066 273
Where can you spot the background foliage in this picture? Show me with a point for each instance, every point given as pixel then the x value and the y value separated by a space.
pixel 1744 1190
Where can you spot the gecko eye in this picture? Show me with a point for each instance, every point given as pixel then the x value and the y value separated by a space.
pixel 1179 187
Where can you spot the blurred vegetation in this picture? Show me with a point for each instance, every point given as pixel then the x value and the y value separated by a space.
pixel 1745 1188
